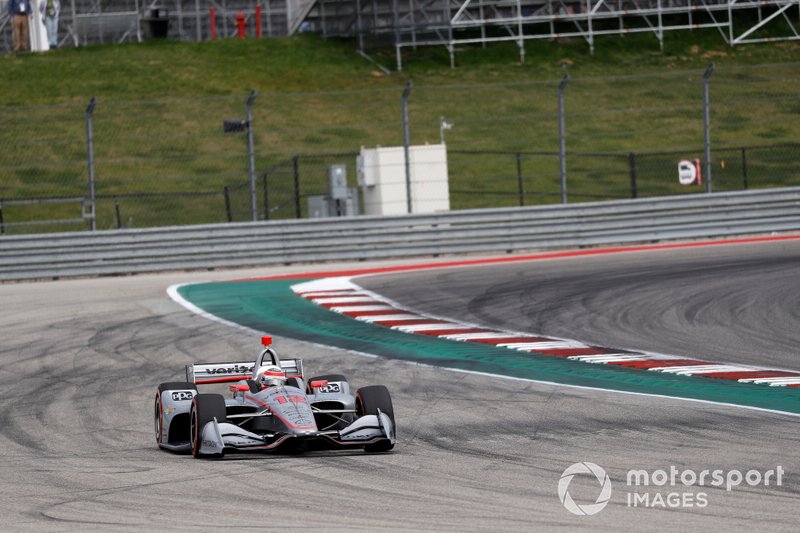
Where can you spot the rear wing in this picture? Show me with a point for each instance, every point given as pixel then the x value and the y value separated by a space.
pixel 204 373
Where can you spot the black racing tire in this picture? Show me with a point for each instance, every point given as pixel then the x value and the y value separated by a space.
pixel 324 377
pixel 159 409
pixel 368 401
pixel 205 408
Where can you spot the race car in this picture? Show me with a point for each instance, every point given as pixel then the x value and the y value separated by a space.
pixel 272 407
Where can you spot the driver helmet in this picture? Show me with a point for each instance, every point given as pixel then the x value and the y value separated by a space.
pixel 271 375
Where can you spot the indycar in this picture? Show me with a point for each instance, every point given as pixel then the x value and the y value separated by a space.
pixel 271 408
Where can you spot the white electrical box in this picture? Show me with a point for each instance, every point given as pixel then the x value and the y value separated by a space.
pixel 337 182
pixel 381 174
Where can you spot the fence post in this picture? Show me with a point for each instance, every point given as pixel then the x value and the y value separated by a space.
pixel 562 146
pixel 266 196
pixel 296 168
pixel 707 125
pixel 744 167
pixel 90 163
pixel 198 24
pixel 520 189
pixel 117 213
pixel 227 194
pixel 251 157
pixel 632 171
pixel 406 141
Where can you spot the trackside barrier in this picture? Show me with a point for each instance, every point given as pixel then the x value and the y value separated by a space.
pixel 372 237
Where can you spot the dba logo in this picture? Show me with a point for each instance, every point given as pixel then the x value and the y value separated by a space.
pixel 602 498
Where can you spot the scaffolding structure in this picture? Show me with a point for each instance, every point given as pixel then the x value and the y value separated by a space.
pixel 453 23
pixel 415 23
pixel 631 16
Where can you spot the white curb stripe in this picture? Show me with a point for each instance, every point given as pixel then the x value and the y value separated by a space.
pixel 609 358
pixel 429 327
pixel 704 369
pixel 330 294
pixel 479 336
pixel 544 345
pixel 344 300
pixel 379 318
pixel 356 308
pixel 788 380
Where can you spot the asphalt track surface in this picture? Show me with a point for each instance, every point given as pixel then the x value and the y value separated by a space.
pixel 81 359
pixel 737 303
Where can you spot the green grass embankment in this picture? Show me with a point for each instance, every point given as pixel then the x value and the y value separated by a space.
pixel 158 122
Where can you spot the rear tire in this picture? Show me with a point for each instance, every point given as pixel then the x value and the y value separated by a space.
pixel 205 408
pixel 159 409
pixel 368 401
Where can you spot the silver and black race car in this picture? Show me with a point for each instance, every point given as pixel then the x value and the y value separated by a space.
pixel 272 408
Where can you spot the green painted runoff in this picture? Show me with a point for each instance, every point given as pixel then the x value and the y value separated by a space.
pixel 270 306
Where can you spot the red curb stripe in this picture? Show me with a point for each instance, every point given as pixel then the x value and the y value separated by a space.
pixel 658 363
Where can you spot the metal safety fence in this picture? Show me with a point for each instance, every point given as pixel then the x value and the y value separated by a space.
pixel 178 161
pixel 373 237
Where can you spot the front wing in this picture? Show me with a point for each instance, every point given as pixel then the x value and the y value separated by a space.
pixel 222 437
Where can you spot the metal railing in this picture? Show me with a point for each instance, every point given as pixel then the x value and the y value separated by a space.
pixel 343 239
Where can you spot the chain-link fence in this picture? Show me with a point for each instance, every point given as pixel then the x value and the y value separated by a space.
pixel 527 178
pixel 496 178
pixel 154 163
pixel 170 161
pixel 288 184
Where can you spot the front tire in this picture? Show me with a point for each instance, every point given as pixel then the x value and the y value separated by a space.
pixel 205 408
pixel 159 408
pixel 368 401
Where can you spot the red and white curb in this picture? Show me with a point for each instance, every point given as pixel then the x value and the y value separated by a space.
pixel 342 295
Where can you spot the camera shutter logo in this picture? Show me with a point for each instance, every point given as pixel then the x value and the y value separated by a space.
pixel 602 498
